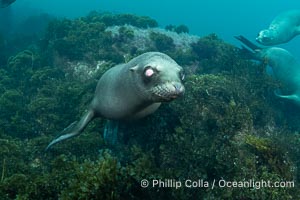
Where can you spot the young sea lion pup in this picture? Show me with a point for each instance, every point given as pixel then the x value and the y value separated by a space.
pixel 131 91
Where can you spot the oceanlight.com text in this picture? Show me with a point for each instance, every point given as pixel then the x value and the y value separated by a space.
pixel 200 183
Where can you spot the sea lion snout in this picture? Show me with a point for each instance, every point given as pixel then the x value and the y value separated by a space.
pixel 179 89
pixel 168 91
pixel 264 37
pixel 175 92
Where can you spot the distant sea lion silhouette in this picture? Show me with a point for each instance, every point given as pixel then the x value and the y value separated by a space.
pixel 131 91
pixel 5 3
pixel 282 29
pixel 284 65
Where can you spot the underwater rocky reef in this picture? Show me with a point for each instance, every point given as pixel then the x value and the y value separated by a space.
pixel 229 125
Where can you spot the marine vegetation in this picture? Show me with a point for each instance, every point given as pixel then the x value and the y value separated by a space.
pixel 162 42
pixel 178 29
pixel 229 125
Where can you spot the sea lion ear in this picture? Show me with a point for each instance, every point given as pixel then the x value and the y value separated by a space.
pixel 134 68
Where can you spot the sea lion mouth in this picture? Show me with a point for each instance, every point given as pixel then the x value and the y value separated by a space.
pixel 168 91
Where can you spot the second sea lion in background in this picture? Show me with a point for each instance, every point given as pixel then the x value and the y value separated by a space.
pixel 284 65
pixel 282 29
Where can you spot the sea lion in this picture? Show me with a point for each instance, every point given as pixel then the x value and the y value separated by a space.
pixel 285 66
pixel 131 91
pixel 282 29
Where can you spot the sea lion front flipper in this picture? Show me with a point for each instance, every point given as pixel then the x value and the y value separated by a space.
pixel 110 134
pixel 293 97
pixel 74 129
pixel 249 50
pixel 247 42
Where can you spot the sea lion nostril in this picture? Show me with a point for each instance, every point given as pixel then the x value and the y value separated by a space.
pixel 179 89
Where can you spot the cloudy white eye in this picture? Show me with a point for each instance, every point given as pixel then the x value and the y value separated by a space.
pixel 149 72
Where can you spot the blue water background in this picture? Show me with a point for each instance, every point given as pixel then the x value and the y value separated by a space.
pixel 225 18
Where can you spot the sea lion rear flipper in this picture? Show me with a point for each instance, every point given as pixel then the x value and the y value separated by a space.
pixel 293 97
pixel 247 53
pixel 247 42
pixel 74 129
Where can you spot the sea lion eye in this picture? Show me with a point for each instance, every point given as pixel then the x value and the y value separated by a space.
pixel 149 72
